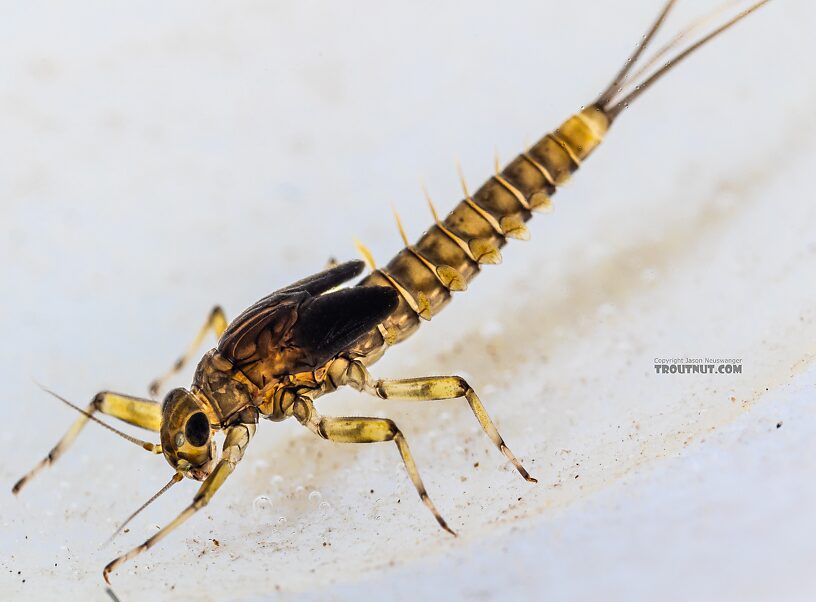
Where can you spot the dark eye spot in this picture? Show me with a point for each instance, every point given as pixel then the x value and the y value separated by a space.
pixel 197 430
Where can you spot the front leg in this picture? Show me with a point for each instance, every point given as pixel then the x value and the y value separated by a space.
pixel 144 413
pixel 235 443
pixel 431 388
pixel 217 322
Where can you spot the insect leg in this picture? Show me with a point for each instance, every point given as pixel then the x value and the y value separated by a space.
pixel 366 430
pixel 144 413
pixel 235 443
pixel 217 322
pixel 432 388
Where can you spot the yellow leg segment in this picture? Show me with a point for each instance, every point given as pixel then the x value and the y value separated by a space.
pixel 144 413
pixel 217 322
pixel 433 388
pixel 366 430
pixel 235 443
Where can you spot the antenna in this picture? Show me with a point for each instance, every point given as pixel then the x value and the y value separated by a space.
pixel 151 447
pixel 176 478
pixel 63 443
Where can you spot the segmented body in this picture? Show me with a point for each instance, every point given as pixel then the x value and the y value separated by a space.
pixel 258 370
pixel 449 254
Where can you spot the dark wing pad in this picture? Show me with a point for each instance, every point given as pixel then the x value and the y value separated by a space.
pixel 301 327
pixel 330 323
pixel 327 279
pixel 277 311
pixel 270 319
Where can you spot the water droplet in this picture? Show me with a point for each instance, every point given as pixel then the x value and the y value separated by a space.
pixel 606 310
pixel 491 329
pixel 325 508
pixel 315 497
pixel 281 521
pixel 299 490
pixel 262 504
pixel 649 275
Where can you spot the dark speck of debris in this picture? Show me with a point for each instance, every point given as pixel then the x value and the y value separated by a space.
pixel 576 476
pixel 216 542
pixel 372 491
pixel 779 424
pixel 475 465
pixel 325 544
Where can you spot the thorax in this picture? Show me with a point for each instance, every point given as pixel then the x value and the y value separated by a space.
pixel 229 393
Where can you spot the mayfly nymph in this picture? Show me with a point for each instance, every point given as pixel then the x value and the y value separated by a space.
pixel 311 338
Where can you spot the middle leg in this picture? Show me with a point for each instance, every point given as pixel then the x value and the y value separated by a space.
pixel 366 430
pixel 217 322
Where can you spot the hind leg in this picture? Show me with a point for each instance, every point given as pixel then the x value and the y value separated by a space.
pixel 432 388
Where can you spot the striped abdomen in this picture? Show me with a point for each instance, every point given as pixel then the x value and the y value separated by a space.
pixel 449 254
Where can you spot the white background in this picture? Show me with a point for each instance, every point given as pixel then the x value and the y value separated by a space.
pixel 157 158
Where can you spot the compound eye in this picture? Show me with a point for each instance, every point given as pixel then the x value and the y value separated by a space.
pixel 197 430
